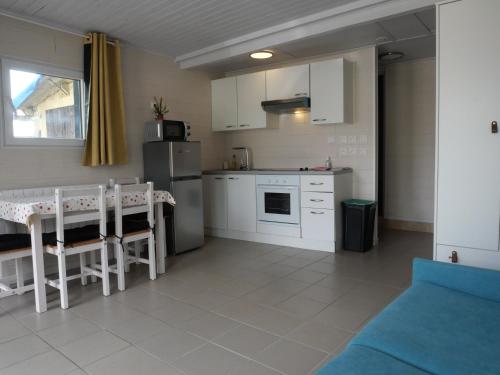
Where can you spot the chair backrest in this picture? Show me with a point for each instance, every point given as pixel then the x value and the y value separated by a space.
pixel 94 196
pixel 128 191
pixel 123 181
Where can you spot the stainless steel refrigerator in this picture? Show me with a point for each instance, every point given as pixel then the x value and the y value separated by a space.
pixel 176 167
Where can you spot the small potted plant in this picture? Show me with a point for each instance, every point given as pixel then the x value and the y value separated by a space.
pixel 159 108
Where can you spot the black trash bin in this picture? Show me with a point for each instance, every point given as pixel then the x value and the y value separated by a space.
pixel 358 223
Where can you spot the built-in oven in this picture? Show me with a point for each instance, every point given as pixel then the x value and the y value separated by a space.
pixel 278 199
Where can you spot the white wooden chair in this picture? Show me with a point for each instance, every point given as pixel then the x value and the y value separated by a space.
pixel 15 246
pixel 138 245
pixel 127 230
pixel 82 240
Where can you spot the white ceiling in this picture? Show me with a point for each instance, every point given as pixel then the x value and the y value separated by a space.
pixel 172 27
pixel 216 34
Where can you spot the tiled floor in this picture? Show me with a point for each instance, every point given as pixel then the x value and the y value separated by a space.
pixel 232 307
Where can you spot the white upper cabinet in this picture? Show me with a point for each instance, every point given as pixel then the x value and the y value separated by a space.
pixel 286 83
pixel 331 92
pixel 251 91
pixel 224 104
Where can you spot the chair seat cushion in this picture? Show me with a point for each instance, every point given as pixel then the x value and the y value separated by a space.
pixel 14 241
pixel 359 360
pixel 72 236
pixel 129 226
pixel 439 330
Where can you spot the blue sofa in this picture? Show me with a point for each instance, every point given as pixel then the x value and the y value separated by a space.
pixel 446 323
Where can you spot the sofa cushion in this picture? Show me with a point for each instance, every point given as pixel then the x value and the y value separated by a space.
pixel 439 330
pixel 359 360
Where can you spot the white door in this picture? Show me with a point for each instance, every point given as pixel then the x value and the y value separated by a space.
pixel 241 203
pixel 215 202
pixel 251 93
pixel 327 92
pixel 286 83
pixel 468 195
pixel 224 104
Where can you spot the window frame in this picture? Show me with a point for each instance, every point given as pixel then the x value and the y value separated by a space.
pixel 5 93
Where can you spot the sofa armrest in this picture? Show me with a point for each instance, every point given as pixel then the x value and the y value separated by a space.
pixel 480 282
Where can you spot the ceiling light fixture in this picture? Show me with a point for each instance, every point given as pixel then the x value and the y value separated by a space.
pixel 261 55
pixel 391 56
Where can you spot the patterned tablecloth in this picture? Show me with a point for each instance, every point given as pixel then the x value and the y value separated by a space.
pixel 20 209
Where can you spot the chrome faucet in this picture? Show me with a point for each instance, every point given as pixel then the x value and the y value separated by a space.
pixel 245 159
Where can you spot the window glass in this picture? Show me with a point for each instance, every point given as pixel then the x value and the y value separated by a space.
pixel 45 106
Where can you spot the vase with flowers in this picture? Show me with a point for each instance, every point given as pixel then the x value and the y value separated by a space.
pixel 159 108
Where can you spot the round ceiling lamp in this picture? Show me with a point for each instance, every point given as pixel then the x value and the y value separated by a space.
pixel 391 56
pixel 261 55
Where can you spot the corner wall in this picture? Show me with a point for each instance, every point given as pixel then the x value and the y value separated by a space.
pixel 410 126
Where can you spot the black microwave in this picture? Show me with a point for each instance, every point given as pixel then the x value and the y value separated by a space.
pixel 167 130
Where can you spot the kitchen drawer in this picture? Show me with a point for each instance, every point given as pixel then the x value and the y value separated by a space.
pixel 316 183
pixel 314 199
pixel 318 224
pixel 469 257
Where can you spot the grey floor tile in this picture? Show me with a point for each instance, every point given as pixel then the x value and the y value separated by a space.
pixel 138 328
pixel 347 319
pixel 210 360
pixel 321 294
pixel 51 362
pixel 209 325
pixel 103 312
pixel 209 299
pixel 50 318
pixel 236 288
pixel 320 336
pixel 241 310
pixel 296 262
pixel 67 332
pixel 246 340
pixel 170 345
pixel 301 306
pixel 11 328
pixel 290 357
pixel 254 368
pixel 130 361
pixel 92 348
pixel 176 312
pixel 278 270
pixel 274 321
pixel 21 349
pixel 322 267
pixel 307 276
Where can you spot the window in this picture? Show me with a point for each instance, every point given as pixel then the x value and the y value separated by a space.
pixel 42 105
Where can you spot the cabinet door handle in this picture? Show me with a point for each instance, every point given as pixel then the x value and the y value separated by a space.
pixel 233 178
pixel 243 125
pixel 301 94
pixel 316 200
pixel 316 183
pixel 219 178
pixel 317 213
pixel 494 127
pixel 319 119
pixel 229 126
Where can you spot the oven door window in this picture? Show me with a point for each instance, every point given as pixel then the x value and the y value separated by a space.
pixel 277 203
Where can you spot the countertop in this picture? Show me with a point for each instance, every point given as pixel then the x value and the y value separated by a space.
pixel 281 171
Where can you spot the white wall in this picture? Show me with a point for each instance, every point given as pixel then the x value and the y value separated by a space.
pixel 298 143
pixel 410 125
pixel 144 76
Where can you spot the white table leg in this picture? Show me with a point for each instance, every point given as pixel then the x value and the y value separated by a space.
pixel 38 265
pixel 161 252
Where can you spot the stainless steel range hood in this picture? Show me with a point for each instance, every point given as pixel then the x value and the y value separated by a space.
pixel 302 104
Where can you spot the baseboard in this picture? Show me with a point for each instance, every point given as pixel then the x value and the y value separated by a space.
pixel 413 226
pixel 273 239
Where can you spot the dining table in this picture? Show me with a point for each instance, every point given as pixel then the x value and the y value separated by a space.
pixel 31 207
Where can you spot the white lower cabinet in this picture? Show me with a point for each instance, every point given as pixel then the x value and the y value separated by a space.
pixel 318 224
pixel 241 203
pixel 215 201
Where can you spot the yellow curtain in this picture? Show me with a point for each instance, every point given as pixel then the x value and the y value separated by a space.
pixel 106 142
